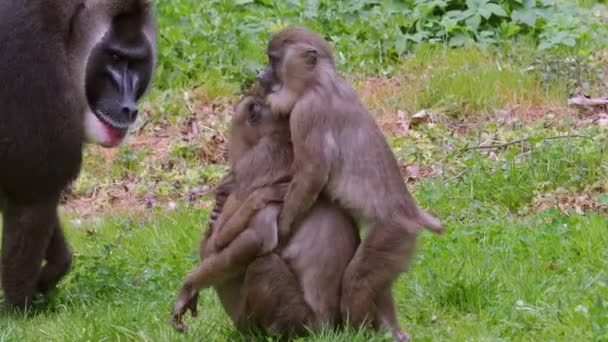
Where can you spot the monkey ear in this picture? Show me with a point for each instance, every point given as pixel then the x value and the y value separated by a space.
pixel 253 108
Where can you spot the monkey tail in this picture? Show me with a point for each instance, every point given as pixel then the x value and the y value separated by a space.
pixel 429 221
pixel 416 222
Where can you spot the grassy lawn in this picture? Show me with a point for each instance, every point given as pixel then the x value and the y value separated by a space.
pixel 519 179
pixel 537 277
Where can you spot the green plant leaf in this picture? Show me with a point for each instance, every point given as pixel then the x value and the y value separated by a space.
pixel 459 39
pixel 473 22
pixel 525 16
pixel 495 9
pixel 400 44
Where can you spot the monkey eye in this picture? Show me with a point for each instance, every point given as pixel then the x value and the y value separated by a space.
pixel 115 57
pixel 273 59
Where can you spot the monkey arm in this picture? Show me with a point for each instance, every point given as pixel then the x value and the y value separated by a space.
pixel 214 270
pixel 313 149
pixel 309 180
pixel 232 222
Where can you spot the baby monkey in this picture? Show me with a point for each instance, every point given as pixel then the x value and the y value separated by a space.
pixel 340 151
pixel 252 179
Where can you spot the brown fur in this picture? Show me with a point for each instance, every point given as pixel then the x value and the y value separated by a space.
pixel 339 150
pixel 283 291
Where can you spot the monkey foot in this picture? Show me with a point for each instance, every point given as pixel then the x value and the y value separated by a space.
pixel 402 337
pixel 178 324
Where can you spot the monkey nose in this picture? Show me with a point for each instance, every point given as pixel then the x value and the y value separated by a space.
pixel 264 81
pixel 260 77
pixel 129 111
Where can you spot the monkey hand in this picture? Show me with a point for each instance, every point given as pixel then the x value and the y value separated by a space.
pixel 186 301
pixel 215 214
pixel 284 225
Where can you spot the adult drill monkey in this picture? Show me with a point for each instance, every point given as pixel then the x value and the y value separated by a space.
pixel 72 71
pixel 340 150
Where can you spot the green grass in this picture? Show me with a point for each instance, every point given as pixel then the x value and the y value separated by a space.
pixel 468 82
pixel 541 277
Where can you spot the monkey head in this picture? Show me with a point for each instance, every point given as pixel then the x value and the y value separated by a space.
pixel 113 46
pixel 252 121
pixel 297 57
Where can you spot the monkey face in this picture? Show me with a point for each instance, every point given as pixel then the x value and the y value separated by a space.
pixel 297 60
pixel 252 122
pixel 118 72
pixel 268 78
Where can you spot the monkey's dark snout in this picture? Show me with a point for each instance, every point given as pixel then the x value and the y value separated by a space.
pixel 129 111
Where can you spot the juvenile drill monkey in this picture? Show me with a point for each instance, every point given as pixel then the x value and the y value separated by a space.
pixel 340 151
pixel 298 286
pixel 280 291
pixel 72 71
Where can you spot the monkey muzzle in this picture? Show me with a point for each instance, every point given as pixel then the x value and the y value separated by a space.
pixel 266 79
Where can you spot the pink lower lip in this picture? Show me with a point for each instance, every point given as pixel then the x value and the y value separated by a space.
pixel 116 135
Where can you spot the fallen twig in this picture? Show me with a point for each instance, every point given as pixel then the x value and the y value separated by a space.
pixel 580 100
pixel 482 147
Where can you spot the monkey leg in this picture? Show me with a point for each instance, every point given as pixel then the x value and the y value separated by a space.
pixel 27 231
pixel 230 227
pixel 386 315
pixel 378 261
pixel 274 298
pixel 214 270
pixel 58 260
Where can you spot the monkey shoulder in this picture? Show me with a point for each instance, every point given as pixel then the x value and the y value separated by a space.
pixel 35 22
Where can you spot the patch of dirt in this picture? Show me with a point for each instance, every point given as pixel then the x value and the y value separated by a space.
pixel 567 201
pixel 412 173
pixel 203 126
pixel 379 93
